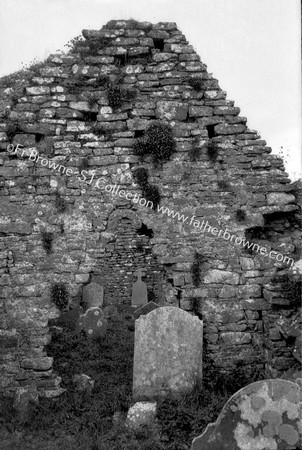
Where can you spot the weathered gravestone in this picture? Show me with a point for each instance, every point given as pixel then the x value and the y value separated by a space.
pixel 143 310
pixel 261 416
pixel 93 322
pixel 93 295
pixel 139 290
pixel 167 352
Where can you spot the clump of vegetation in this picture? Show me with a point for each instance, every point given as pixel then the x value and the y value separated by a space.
pixel 47 238
pixel 76 43
pixel 12 128
pixel 59 295
pixel 212 150
pixel 141 176
pixel 75 83
pixel 97 44
pixel 182 418
pixel 84 164
pixel 240 215
pixel 151 194
pixel 139 246
pixel 196 268
pixel 195 301
pixel 60 203
pixel 289 287
pixel 117 96
pixel 222 184
pixel 196 83
pixel 195 150
pixel 158 141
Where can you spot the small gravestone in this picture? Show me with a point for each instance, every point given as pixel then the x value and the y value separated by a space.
pixel 93 322
pixel 139 290
pixel 93 295
pixel 143 310
pixel 263 415
pixel 167 352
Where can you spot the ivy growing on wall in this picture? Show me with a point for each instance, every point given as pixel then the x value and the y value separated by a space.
pixel 196 268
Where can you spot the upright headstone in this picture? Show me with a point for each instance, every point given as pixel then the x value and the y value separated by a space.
pixel 167 352
pixel 93 295
pixel 262 415
pixel 139 290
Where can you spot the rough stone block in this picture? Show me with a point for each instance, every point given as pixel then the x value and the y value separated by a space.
pixel 262 415
pixel 37 363
pixel 141 414
pixel 221 276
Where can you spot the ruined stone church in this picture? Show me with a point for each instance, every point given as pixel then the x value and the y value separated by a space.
pixel 130 112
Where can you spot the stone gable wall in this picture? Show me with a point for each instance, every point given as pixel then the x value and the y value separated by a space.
pixel 61 109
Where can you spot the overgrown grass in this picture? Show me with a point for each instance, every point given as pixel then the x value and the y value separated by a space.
pixel 84 421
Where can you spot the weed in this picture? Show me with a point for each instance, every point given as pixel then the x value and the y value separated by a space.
pixel 289 288
pixel 196 83
pixel 157 141
pixel 60 203
pixel 195 301
pixel 222 184
pixel 240 215
pixel 212 150
pixel 59 295
pixel 139 246
pixel 47 238
pixel 75 83
pixel 151 194
pixel 196 268
pixel 84 164
pixel 195 150
pixel 183 417
pixel 97 44
pixel 141 176
pixel 92 100
pixel 12 128
pixel 115 98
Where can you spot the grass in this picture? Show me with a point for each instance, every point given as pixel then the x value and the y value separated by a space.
pixel 84 421
pixel 59 295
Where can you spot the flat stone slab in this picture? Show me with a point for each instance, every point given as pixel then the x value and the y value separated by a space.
pixel 93 322
pixel 167 352
pixel 264 415
pixel 143 310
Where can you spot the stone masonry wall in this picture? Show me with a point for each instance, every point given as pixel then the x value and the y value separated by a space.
pixel 61 108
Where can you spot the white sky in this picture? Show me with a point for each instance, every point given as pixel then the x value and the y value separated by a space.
pixel 251 46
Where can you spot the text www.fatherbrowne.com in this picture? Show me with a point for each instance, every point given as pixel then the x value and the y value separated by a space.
pixel 89 178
